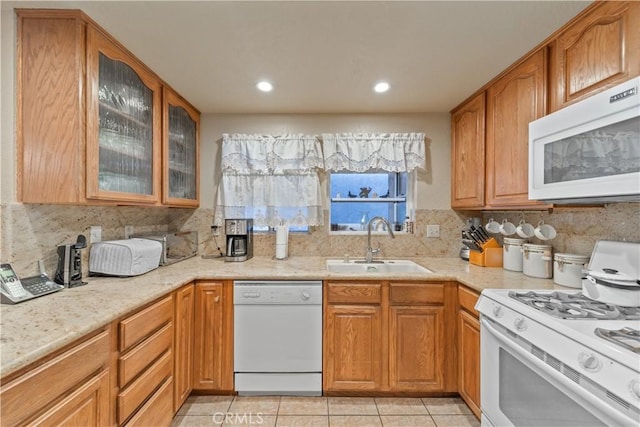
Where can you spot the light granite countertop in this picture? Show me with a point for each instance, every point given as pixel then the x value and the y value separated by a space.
pixel 31 330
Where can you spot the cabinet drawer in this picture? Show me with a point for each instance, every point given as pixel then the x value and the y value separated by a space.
pixel 53 379
pixel 141 356
pixel 354 293
pixel 138 326
pixel 158 409
pixel 416 293
pixel 131 397
pixel 467 299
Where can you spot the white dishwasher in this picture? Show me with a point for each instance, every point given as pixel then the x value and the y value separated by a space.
pixel 277 334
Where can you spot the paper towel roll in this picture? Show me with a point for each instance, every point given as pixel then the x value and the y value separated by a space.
pixel 282 234
pixel 281 251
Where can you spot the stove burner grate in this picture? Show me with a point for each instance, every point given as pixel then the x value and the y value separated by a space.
pixel 574 306
pixel 628 338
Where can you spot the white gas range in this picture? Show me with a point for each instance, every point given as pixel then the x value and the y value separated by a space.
pixel 558 358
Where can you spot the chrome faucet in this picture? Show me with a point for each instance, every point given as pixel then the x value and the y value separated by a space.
pixel 372 251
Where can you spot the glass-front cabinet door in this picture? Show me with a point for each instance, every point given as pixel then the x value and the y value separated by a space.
pixel 180 151
pixel 123 125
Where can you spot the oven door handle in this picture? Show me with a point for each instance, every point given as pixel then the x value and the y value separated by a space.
pixel 556 378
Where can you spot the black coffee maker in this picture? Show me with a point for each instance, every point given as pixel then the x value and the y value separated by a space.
pixel 69 271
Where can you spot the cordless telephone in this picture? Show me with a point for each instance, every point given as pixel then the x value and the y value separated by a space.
pixel 13 290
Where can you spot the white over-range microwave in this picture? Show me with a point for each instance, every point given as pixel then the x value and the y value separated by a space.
pixel 589 151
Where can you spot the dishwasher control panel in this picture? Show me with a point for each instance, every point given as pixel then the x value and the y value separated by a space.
pixel 277 292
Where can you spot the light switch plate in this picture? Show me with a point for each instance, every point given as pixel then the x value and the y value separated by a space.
pixel 95 234
pixel 128 231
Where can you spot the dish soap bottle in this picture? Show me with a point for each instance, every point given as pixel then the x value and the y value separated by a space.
pixel 407 226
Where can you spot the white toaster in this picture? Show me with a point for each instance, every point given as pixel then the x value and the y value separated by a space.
pixel 130 257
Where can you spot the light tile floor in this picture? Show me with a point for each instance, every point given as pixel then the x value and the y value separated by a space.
pixel 290 411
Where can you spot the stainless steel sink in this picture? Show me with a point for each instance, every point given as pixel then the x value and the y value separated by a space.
pixel 379 266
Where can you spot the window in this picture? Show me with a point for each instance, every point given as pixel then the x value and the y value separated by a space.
pixel 358 197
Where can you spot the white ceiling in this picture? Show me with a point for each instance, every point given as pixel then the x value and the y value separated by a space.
pixel 325 56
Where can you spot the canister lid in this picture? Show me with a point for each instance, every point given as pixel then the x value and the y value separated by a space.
pixel 514 241
pixel 530 247
pixel 571 258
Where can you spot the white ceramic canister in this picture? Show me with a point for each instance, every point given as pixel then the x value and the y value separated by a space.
pixel 537 260
pixel 567 269
pixel 512 253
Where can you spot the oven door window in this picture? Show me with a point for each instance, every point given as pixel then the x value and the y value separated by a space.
pixel 527 399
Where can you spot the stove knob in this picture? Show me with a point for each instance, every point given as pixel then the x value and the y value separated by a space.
pixel 634 386
pixel 520 324
pixel 305 295
pixel 497 311
pixel 589 362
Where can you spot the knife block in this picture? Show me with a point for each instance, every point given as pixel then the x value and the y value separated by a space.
pixel 491 255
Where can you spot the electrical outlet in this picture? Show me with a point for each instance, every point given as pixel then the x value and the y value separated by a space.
pixel 95 234
pixel 215 230
pixel 128 231
pixel 433 231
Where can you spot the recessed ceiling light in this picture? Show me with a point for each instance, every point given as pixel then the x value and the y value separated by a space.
pixel 381 87
pixel 264 86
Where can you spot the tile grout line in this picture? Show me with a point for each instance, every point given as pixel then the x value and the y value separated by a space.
pixel 375 401
pixel 428 412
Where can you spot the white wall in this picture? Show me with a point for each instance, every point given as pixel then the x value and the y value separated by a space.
pixel 434 183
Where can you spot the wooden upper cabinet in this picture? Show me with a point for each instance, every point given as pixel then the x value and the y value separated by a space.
pixel 512 102
pixel 123 124
pixel 597 51
pixel 467 154
pixel 90 121
pixel 50 107
pixel 180 151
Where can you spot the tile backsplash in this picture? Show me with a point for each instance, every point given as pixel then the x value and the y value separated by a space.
pixel 32 232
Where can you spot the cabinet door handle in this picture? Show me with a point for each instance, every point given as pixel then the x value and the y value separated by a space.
pixel 217 298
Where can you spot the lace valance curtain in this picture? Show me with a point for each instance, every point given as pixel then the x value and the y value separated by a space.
pixel 361 152
pixel 272 179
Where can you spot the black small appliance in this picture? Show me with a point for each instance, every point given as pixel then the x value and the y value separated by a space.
pixel 69 271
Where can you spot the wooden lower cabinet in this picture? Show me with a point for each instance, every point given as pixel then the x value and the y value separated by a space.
pixel 416 350
pixel 184 321
pixel 393 341
pixel 213 339
pixel 87 406
pixel 353 347
pixel 71 388
pixel 469 349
